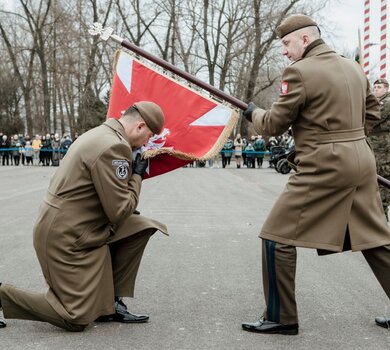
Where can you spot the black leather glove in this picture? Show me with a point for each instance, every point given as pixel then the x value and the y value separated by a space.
pixel 140 165
pixel 248 112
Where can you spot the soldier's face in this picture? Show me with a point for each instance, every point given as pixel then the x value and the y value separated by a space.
pixel 141 135
pixel 294 45
pixel 380 90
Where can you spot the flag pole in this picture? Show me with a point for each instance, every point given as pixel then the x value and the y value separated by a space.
pixel 106 33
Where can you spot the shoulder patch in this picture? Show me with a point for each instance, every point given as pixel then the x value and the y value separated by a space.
pixel 284 87
pixel 122 168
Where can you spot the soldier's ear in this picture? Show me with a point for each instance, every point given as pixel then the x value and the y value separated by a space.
pixel 141 125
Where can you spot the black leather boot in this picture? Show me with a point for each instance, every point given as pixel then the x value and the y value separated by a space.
pixel 122 315
pixel 383 321
pixel 269 327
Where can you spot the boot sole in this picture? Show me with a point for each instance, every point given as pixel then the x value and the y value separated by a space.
pixel 281 331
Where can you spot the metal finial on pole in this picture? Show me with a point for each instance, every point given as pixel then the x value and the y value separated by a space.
pixel 104 33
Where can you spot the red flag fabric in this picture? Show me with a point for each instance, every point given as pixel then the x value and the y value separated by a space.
pixel 195 128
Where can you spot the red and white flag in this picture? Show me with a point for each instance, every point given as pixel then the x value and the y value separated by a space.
pixel 196 127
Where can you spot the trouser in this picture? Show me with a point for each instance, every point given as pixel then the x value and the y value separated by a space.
pixel 224 161
pixel 126 255
pixel 279 266
pixel 24 305
pixel 259 161
pixel 5 158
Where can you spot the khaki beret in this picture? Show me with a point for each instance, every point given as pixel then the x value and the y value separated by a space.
pixel 293 23
pixel 381 81
pixel 152 114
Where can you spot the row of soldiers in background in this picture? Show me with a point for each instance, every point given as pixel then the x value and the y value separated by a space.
pixel 252 152
pixel 379 138
pixel 41 150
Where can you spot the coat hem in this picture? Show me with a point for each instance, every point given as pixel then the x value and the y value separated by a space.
pixel 84 320
pixel 371 245
pixel 316 245
pixel 302 244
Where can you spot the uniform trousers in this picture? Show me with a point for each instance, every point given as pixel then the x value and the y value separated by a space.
pixel 279 267
pixel 126 255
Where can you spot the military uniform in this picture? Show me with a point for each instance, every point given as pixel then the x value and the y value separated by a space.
pixel 332 202
pixel 379 139
pixel 87 238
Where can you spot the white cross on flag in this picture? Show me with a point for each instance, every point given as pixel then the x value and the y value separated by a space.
pixel 196 127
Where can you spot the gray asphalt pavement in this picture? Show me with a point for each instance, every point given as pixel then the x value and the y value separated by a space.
pixel 200 283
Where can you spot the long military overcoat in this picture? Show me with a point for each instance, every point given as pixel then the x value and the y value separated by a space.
pixel 326 100
pixel 89 203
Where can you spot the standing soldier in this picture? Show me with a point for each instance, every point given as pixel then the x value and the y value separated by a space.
pixel 332 202
pixel 380 138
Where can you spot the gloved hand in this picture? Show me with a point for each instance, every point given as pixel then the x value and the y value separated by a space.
pixel 140 165
pixel 248 112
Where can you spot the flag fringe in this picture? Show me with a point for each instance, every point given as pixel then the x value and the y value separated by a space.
pixel 212 153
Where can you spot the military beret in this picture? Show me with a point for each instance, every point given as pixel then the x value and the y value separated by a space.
pixel 382 81
pixel 152 114
pixel 293 23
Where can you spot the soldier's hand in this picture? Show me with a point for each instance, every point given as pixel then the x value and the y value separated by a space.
pixel 140 165
pixel 248 112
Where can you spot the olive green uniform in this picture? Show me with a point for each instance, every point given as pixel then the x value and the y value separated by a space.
pixel 87 238
pixel 379 139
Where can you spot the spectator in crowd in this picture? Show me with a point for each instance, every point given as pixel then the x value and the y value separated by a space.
pixel 1 152
pixel 14 150
pixel 18 153
pixel 250 154
pixel 36 145
pixel 28 153
pixel 5 145
pixel 65 144
pixel 42 151
pixel 244 143
pixel 226 153
pixel 56 145
pixel 23 141
pixel 238 146
pixel 46 150
pixel 259 147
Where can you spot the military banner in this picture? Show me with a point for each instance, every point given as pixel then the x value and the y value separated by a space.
pixel 196 127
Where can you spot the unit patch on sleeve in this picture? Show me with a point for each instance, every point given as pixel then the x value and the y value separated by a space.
pixel 284 87
pixel 122 168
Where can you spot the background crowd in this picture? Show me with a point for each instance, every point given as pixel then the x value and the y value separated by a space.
pixel 49 149
pixel 42 150
pixel 249 153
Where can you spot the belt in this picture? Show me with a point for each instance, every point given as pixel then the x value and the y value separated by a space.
pixel 341 135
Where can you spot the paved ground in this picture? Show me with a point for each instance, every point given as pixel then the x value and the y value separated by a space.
pixel 200 283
